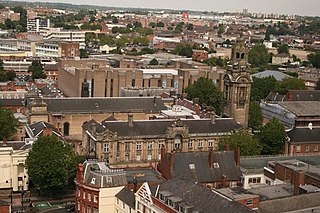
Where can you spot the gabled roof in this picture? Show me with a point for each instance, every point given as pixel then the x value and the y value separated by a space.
pixel 302 108
pixel 98 105
pixel 127 196
pixel 279 76
pixel 304 95
pixel 300 135
pixel 195 166
pixel 200 198
pixel 158 127
pixel 36 129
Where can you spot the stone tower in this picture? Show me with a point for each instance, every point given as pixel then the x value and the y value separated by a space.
pixel 237 85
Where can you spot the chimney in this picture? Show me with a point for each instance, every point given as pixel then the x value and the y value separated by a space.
pixel 237 156
pixel 130 120
pixel 298 181
pixel 47 131
pixel 80 173
pixel 163 151
pixel 226 147
pixel 212 117
pixel 135 185
pixel 4 141
pixel 211 158
pixel 223 180
pixel 154 101
pixel 171 161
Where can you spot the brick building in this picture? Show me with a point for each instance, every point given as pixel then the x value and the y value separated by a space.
pixel 139 141
pixel 5 207
pixel 199 55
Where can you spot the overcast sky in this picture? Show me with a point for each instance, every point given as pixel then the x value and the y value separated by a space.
pixel 300 7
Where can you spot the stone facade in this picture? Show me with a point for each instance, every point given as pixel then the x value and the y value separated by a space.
pixel 237 86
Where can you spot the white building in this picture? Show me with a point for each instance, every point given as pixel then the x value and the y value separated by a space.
pixel 37 24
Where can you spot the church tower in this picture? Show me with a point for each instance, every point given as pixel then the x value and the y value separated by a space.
pixel 237 85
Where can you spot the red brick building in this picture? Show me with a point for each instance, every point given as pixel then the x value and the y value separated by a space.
pixel 5 207
pixel 199 55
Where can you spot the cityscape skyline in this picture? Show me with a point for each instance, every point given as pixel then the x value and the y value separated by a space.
pixel 292 7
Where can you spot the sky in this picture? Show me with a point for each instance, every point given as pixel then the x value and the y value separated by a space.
pixel 298 7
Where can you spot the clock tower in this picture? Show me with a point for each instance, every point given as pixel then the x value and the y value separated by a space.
pixel 237 85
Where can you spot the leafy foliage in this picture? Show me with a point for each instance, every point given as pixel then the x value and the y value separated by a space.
pixel 272 137
pixel 261 87
pixel 282 87
pixel 216 62
pixel 37 70
pixel 207 92
pixel 183 50
pixel 248 144
pixel 8 124
pixel 255 115
pixel 283 48
pixel 258 56
pixel 50 164
pixel 154 62
pixel 318 84
pixel 314 59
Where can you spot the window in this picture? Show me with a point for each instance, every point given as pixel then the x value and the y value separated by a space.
pixel 161 197
pixel 117 201
pixel 149 157
pixel 89 196
pixel 127 147
pixel 177 142
pixel 298 148
pixel 78 192
pixel 138 157
pixel 255 180
pixel 249 202
pixel 216 165
pixel 123 205
pixel 106 148
pixel 200 144
pixel 66 127
pixel 190 144
pixel 84 195
pixel 138 146
pixel 160 145
pixel 307 148
pixel 315 148
pixel 95 198
pixel 181 209
pixel 210 143
pixel 149 145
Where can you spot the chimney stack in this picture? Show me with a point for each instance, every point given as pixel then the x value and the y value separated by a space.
pixel 195 101
pixel 237 156
pixel 4 141
pixel 171 161
pixel 130 120
pixel 213 117
pixel 211 158
pixel 226 147
pixel 154 101
pixel 80 173
pixel 298 180
pixel 223 180
pixel 163 151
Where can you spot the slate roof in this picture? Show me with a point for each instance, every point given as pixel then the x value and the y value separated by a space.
pixel 279 76
pixel 127 196
pixel 37 128
pixel 142 175
pixel 16 145
pixel 287 204
pixel 304 95
pixel 200 198
pixel 154 128
pixel 300 135
pixel 275 97
pixel 202 172
pixel 11 102
pixel 302 108
pixel 98 105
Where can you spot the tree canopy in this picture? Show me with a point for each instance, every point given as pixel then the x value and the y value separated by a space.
pixel 248 144
pixel 318 84
pixel 8 123
pixel 261 87
pixel 206 92
pixel 255 115
pixel 314 59
pixel 183 50
pixel 154 61
pixel 283 48
pixel 37 70
pixel 50 164
pixel 282 87
pixel 272 137
pixel 258 56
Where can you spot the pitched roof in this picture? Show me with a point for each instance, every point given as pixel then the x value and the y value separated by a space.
pixel 279 76
pixel 288 204
pixel 11 102
pixel 158 128
pixel 304 95
pixel 127 196
pixel 98 105
pixel 195 166
pixel 302 108
pixel 299 135
pixel 200 198
pixel 37 129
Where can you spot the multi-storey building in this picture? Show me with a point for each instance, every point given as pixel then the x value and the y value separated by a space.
pixel 36 24
pixel 140 142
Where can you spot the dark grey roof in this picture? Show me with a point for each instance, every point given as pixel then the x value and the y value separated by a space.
pixel 290 203
pixel 16 145
pixel 98 105
pixel 159 127
pixel 273 192
pixel 127 196
pixel 11 102
pixel 142 175
pixel 200 198
pixel 302 108
pixel 202 172
pixel 275 97
pixel 304 95
pixel 38 127
pixel 300 135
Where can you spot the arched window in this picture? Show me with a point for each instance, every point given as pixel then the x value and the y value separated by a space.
pixel 66 127
pixel 242 55
pixel 237 55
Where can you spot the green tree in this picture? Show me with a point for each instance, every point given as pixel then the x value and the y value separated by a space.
pixel 282 87
pixel 314 59
pixel 216 62
pixel 220 30
pixel 36 69
pixel 84 53
pixel 272 137
pixel 283 48
pixel 50 164
pixel 152 24
pixel 190 26
pixel 8 124
pixel 154 62
pixel 183 50
pixel 160 24
pixel 261 87
pixel 248 144
pixel 207 93
pixel 258 56
pixel 255 115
